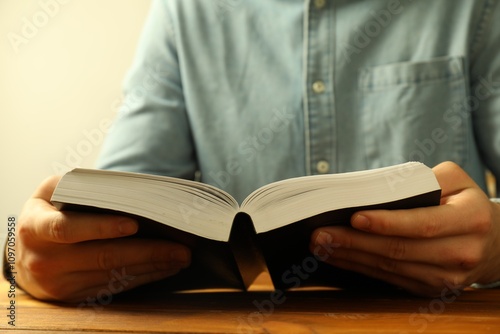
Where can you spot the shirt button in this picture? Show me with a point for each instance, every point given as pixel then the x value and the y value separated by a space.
pixel 322 167
pixel 319 4
pixel 318 87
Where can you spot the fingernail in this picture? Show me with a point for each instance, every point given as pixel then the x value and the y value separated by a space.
pixel 361 223
pixel 127 226
pixel 323 238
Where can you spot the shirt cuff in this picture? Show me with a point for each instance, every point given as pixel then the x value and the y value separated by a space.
pixel 486 286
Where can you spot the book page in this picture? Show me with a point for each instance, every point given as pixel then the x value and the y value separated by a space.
pixel 189 206
pixel 288 201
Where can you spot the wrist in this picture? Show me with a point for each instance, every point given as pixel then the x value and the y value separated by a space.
pixel 493 284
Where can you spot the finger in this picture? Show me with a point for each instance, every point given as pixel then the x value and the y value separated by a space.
pixel 409 284
pixel 106 285
pixel 448 253
pixel 461 216
pixel 102 255
pixel 429 275
pixel 413 223
pixel 452 178
pixel 121 279
pixel 106 256
pixel 95 264
pixel 49 224
pixel 41 221
pixel 464 209
pixel 45 190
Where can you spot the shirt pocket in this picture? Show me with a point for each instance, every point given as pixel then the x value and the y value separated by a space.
pixel 409 111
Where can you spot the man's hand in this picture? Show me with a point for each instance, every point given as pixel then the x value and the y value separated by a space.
pixel 69 256
pixel 426 250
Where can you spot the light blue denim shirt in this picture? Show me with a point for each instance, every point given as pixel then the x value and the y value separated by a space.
pixel 246 92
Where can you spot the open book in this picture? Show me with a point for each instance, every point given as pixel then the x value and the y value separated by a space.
pixel 267 234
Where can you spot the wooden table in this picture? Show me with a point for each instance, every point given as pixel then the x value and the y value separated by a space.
pixel 146 310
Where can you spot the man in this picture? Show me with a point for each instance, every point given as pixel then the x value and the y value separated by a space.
pixel 248 92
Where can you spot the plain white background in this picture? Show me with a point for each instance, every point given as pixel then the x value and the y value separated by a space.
pixel 62 63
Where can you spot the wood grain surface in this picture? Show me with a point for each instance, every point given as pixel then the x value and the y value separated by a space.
pixel 149 310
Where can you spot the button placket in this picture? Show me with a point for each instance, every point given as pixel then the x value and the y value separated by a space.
pixel 320 99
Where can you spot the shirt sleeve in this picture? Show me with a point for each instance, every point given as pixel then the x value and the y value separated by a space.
pixel 151 132
pixel 484 98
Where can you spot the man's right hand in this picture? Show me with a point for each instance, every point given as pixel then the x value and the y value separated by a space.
pixel 69 256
